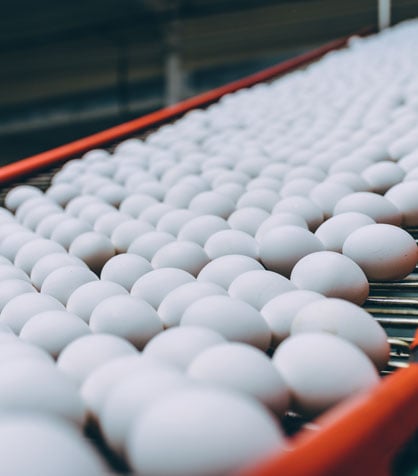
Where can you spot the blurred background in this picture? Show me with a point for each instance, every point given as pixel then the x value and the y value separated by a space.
pixel 69 68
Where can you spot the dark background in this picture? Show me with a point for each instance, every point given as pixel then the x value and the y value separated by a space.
pixel 71 68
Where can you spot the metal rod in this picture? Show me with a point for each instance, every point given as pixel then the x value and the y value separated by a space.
pixel 384 11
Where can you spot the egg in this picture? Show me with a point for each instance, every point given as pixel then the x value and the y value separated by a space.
pixel 172 221
pixel 33 251
pixel 346 320
pixel 302 206
pixel 11 272
pixel 173 427
pixel 62 193
pixel 147 244
pixel 327 194
pixel 199 229
pixel 125 233
pixel 68 230
pixel 231 242
pixel 107 222
pixel 334 231
pixel 175 303
pixel 61 283
pixel 135 204
pixel 85 354
pixel 181 194
pixel 282 247
pixel 10 228
pixel 86 297
pixel 382 176
pixel 130 397
pixel 321 370
pixel 48 224
pixel 264 199
pixel 94 248
pixel 34 216
pixel 384 252
pixel 18 195
pixel 222 271
pixel 212 203
pixel 280 311
pixel 279 219
pixel 185 255
pixel 236 320
pixel 242 368
pixel 375 206
pixel 403 197
pixel 231 190
pixel 15 350
pixel 22 307
pixel 31 204
pixel 125 269
pixel 333 275
pixel 52 330
pixel 76 205
pixel 37 435
pixel 128 317
pixel 13 287
pixel 351 179
pixel 10 245
pixel 50 263
pixel 155 285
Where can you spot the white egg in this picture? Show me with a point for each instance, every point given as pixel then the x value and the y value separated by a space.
pixel 185 255
pixel 33 251
pixel 12 272
pixel 154 213
pixel 230 176
pixel 346 320
pixel 172 221
pixel 173 427
pixel 231 242
pixel 30 204
pixel 403 197
pixel 13 287
pixel 181 194
pixel 107 223
pixel 199 229
pixel 38 435
pixel 298 186
pixel 321 370
pixel 61 283
pixel 34 216
pixel 236 320
pixel 62 193
pixel 85 354
pixel 334 231
pixel 129 397
pixel 154 286
pixel 128 317
pixel 94 211
pixel 351 179
pixel 147 244
pixel 264 199
pixel 68 230
pixel 47 225
pixel 302 206
pixel 327 194
pixel 39 387
pixel 280 311
pixel 125 269
pixel 125 233
pixel 94 248
pixel 333 275
pixel 264 183
pixel 53 330
pixel 100 383
pixel 212 203
pixel 10 245
pixel 242 368
pixel 9 228
pixel 135 204
pixel 18 195
pixel 16 350
pixel 231 190
pixel 224 270
pixel 247 219
pixel 50 263
pixel 77 204
pixel 382 176
pixel 384 252
pixel 282 247
pixel 375 206
pixel 85 298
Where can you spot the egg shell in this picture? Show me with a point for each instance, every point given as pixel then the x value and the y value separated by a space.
pixel 282 247
pixel 333 275
pixel 47 225
pixel 321 370
pixel 30 204
pixel 235 320
pixel 403 197
pixel 199 229
pixel 13 287
pixel 125 233
pixel 279 219
pixel 231 190
pixel 149 243
pixel 85 298
pixel 247 219
pixel 68 230
pixel 34 216
pixel 212 203
pixel 375 206
pixel 85 354
pixel 62 193
pixel 125 269
pixel 176 301
pixel 172 221
pixel 15 350
pixel 38 435
pixel 135 204
pixel 77 204
pixel 92 212
pixel 11 244
pixel 230 176
pixel 351 179
pixel 229 419
pixel 222 271
pixel 384 252
pixel 264 199
pixel 61 283
pixel 280 311
pixel 153 189
pixel 383 175
pixel 12 272
pixel 231 242
pixel 154 213
pixel 129 397
pixel 18 195
pixel 9 228
pixel 302 206
pixel 128 317
pixel 23 306
pixel 346 320
pixel 298 186
pixel 154 286
pixel 259 287
pixel 107 223
pixel 327 194
pixel 94 248
pixel 242 368
pixel 32 251
pixel 185 255
pixel 53 330
pixel 334 231
pixel 50 263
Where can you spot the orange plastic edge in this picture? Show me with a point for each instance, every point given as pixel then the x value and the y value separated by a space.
pixel 19 169
pixel 359 437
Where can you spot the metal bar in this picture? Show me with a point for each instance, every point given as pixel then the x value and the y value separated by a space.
pixel 384 14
